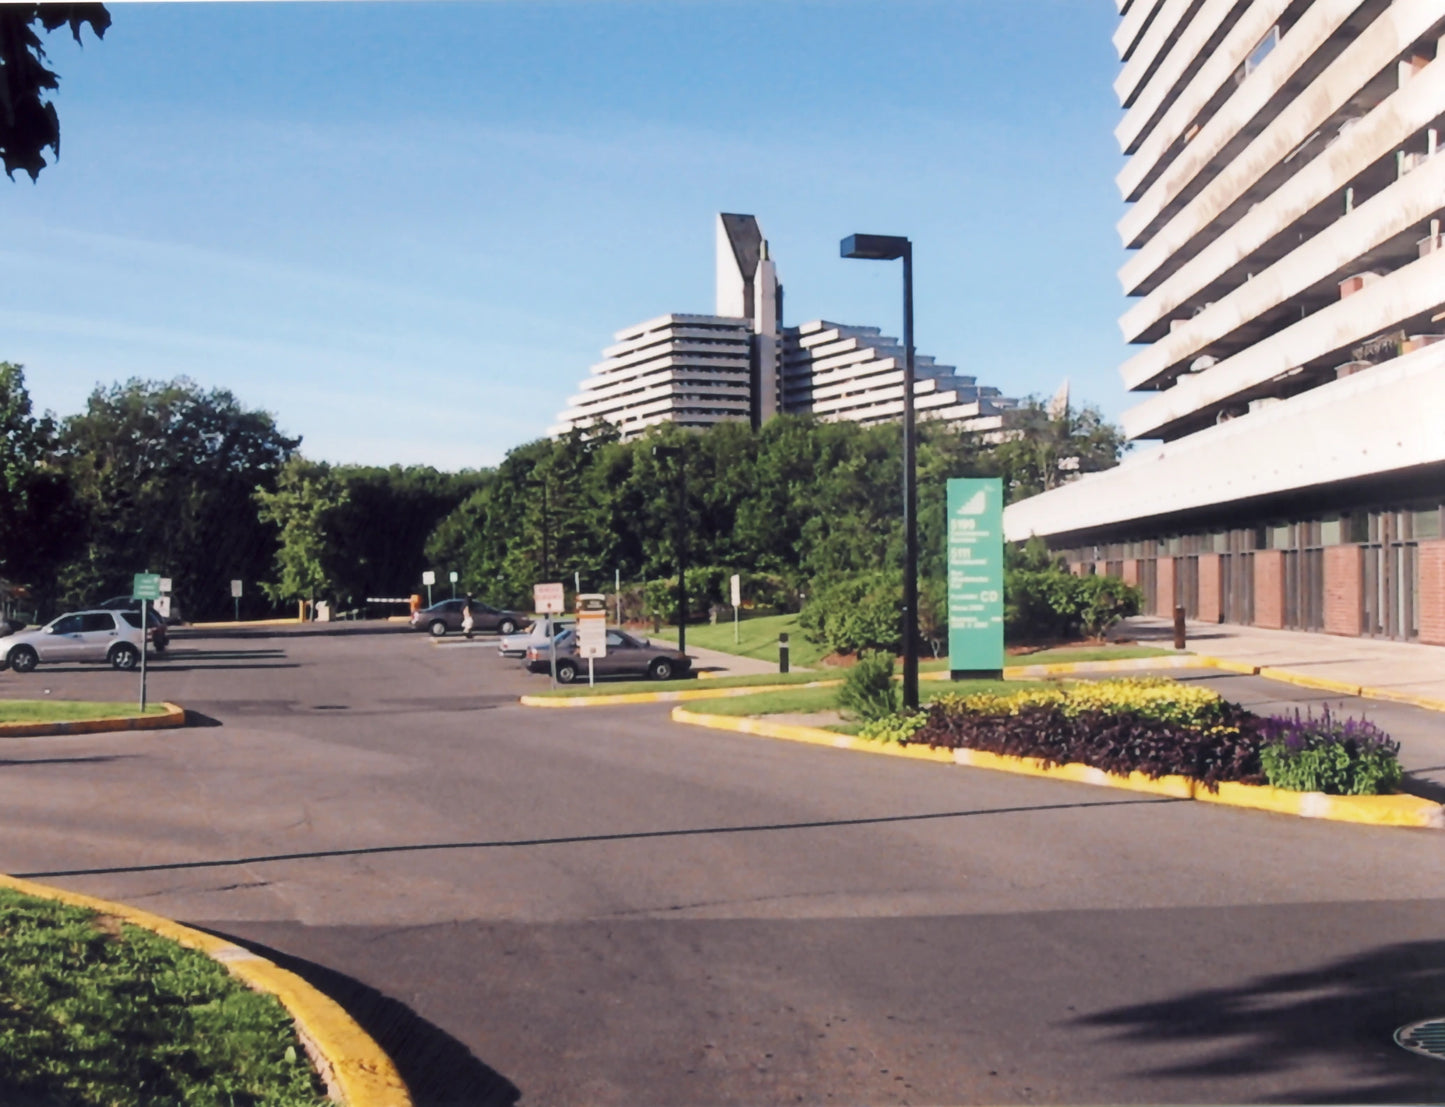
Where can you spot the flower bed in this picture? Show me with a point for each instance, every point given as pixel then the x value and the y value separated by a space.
pixel 1157 727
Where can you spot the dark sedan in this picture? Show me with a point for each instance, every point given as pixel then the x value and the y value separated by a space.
pixel 626 656
pixel 446 616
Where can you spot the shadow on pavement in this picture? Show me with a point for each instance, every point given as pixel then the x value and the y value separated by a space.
pixel 1288 1021
pixel 439 1070
pixel 195 718
pixel 576 839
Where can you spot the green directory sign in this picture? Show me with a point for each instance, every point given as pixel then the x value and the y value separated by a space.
pixel 975 575
pixel 146 586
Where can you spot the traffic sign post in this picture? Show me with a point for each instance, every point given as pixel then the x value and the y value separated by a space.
pixel 428 578
pixel 550 599
pixel 144 587
pixel 591 630
pixel 737 598
pixel 453 575
pixel 236 597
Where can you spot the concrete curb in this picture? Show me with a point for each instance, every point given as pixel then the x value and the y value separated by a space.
pixel 174 716
pixel 1024 672
pixel 664 697
pixel 1392 810
pixel 233 625
pixel 356 1071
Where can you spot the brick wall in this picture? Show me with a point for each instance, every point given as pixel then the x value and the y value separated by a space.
pixel 1343 586
pixel 1164 593
pixel 1131 572
pixel 1210 609
pixel 1432 592
pixel 1269 589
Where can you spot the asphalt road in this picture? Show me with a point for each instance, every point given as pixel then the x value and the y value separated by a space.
pixel 601 907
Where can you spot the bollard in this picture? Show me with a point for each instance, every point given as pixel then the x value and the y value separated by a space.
pixel 782 653
pixel 1179 628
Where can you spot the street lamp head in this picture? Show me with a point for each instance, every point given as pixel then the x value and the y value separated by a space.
pixel 874 247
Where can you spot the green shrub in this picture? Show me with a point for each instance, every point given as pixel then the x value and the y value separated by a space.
pixel 899 728
pixel 1048 604
pixel 868 690
pixel 1350 757
pixel 856 614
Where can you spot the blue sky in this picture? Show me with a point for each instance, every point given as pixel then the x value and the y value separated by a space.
pixel 407 229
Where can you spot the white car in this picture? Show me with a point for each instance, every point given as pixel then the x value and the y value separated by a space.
pixel 106 636
pixel 516 645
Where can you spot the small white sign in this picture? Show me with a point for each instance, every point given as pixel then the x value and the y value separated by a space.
pixel 428 577
pixel 737 583
pixel 165 586
pixel 162 606
pixel 453 575
pixel 592 625
pixel 549 599
pixel 236 589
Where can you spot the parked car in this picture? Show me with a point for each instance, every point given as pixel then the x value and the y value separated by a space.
pixel 126 603
pixel 442 617
pixel 626 656
pixel 105 636
pixel 515 645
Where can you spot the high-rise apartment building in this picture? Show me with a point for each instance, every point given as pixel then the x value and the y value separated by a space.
pixel 1288 280
pixel 743 364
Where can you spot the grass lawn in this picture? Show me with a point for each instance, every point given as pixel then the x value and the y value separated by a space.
pixel 802 701
pixel 757 637
pixel 67 711
pixel 612 688
pixel 96 1011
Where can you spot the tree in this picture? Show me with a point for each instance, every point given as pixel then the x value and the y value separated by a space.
pixel 37 525
pixel 28 120
pixel 163 473
pixel 304 507
pixel 1049 449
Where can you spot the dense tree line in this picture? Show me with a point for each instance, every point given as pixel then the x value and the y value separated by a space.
pixel 171 478
pixel 168 477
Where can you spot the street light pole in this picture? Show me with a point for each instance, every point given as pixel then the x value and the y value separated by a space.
pixel 880 247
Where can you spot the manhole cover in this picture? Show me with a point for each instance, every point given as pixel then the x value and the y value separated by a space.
pixel 1426 1038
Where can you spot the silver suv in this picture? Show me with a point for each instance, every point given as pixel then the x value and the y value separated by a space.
pixel 106 636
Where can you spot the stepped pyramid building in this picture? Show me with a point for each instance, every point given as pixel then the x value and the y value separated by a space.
pixel 742 364
pixel 1287 193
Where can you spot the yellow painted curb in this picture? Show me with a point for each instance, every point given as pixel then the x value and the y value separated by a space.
pixel 816 736
pixel 174 716
pixel 1302 680
pixel 1392 810
pixel 356 1071
pixel 1403 697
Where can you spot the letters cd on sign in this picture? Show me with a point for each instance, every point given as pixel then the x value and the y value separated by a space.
pixel 549 599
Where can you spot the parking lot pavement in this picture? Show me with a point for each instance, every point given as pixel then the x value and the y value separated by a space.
pixel 608 908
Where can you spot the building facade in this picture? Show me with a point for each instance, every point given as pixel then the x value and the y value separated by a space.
pixel 1288 285
pixel 742 364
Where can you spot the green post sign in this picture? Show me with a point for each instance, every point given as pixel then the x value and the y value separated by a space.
pixel 146 586
pixel 975 577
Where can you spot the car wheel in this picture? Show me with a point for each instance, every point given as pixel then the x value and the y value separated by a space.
pixel 124 657
pixel 506 626
pixel 437 628
pixel 661 669
pixel 23 659
pixel 566 672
